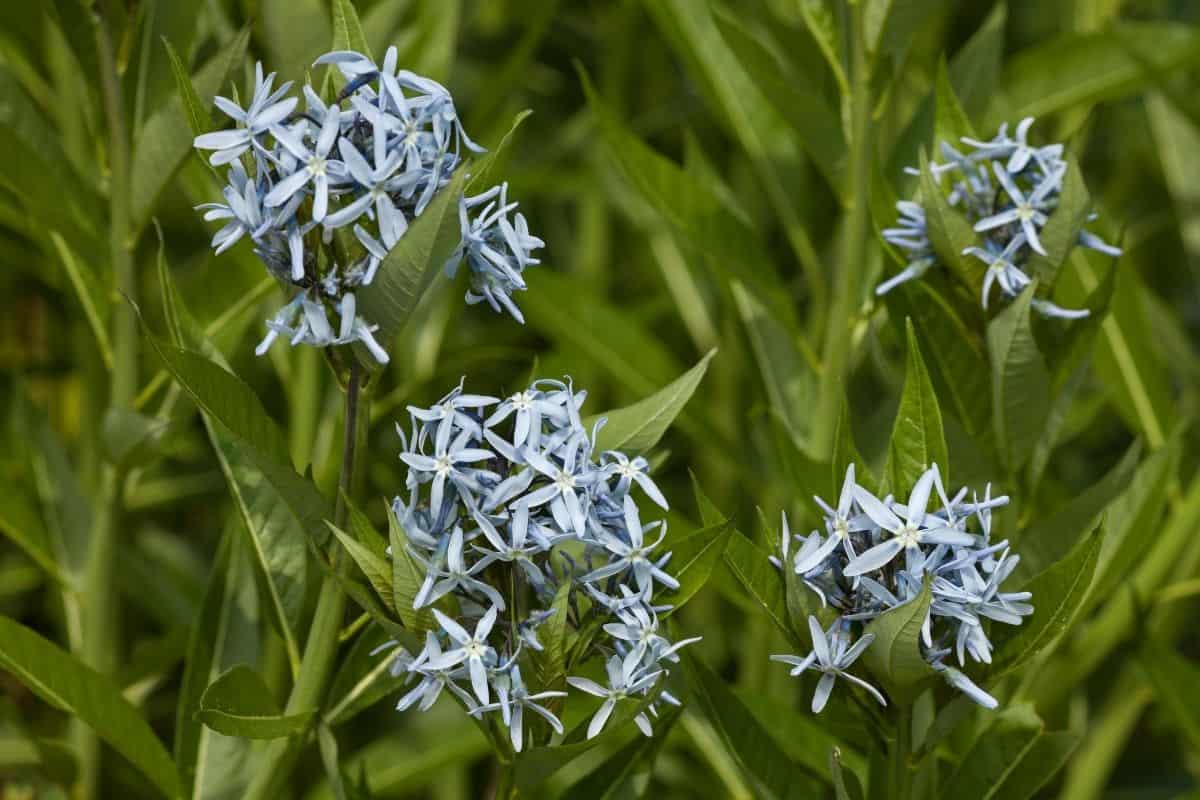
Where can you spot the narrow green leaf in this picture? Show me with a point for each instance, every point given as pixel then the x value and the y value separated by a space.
pixel 490 169
pixel 846 785
pixel 918 440
pixel 613 778
pixel 407 578
pixel 71 686
pixel 347 29
pixel 364 676
pixel 89 293
pixel 414 262
pixel 845 453
pixel 949 231
pixel 1049 539
pixel 1080 69
pixel 789 379
pixel 1061 231
pixel 638 427
pixel 951 121
pixel 751 745
pixel 1020 382
pixel 894 658
pixel 693 559
pixel 762 581
pixel 164 142
pixel 197 112
pixel 998 753
pixel 239 703
pixel 550 664
pixel 797 98
pixel 1176 681
pixel 374 566
pixel 1057 593
pixel 20 522
pixel 1041 762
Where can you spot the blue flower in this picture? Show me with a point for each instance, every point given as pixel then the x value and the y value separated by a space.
pixel 514 698
pixel 621 686
pixel 266 110
pixel 832 655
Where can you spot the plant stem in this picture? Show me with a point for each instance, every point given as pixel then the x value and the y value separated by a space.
pixel 321 645
pixel 99 624
pixel 840 322
pixel 901 775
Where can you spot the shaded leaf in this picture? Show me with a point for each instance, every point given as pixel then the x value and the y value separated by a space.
pixel 239 703
pixel 638 427
pixel 918 440
pixel 894 658
pixel 1020 382
pixel 997 754
pixel 71 686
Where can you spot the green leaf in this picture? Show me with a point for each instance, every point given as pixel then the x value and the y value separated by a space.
pixel 1050 539
pixel 890 26
pixel 613 778
pixel 845 783
pixel 1080 69
pixel 751 745
pixel 1176 681
pixel 373 565
pixel 951 121
pixel 364 677
pixel 788 377
pixel 407 578
pixel 1061 231
pixel 693 559
pixel 1057 593
pixel 998 754
pixel 550 664
pixel 414 262
pixel 164 142
pixel 20 522
pixel 347 29
pixel 1041 762
pixel 845 453
pixel 949 231
pixel 197 112
pixel 71 686
pixel 796 97
pixel 894 658
pixel 762 581
pixel 239 703
pixel 638 427
pixel 1020 382
pixel 958 364
pixel 90 293
pixel 918 441
pixel 490 169
pixel 131 438
pixel 227 632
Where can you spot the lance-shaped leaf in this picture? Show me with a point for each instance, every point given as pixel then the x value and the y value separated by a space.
pixel 894 658
pixel 71 686
pixel 918 440
pixel 228 631
pixel 550 663
pixel 638 427
pixel 752 746
pixel 752 568
pixel 373 565
pixel 1020 382
pixel 998 752
pixel 414 262
pixel 1057 594
pixel 1176 681
pixel 951 122
pixel 239 703
pixel 693 559
pixel 407 578
pixel 1061 231
pixel 347 29
pixel 164 142
pixel 845 453
pixel 364 676
pixel 614 777
pixel 949 231
pixel 489 169
pixel 1041 762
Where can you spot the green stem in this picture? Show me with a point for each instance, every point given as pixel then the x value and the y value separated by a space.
pixel 99 624
pixel 901 754
pixel 321 646
pixel 840 323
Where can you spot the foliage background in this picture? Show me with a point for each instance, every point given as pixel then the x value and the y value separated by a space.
pixel 638 282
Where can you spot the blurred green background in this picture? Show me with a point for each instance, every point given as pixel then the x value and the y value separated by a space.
pixel 729 237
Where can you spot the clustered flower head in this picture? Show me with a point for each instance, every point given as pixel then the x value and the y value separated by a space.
pixel 1006 188
pixel 877 554
pixel 507 502
pixel 325 190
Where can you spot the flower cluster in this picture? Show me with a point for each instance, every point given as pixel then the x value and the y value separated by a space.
pixel 325 191
pixel 877 554
pixel 507 504
pixel 1006 188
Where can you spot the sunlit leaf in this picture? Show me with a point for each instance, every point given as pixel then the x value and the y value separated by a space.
pixel 238 703
pixel 638 427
